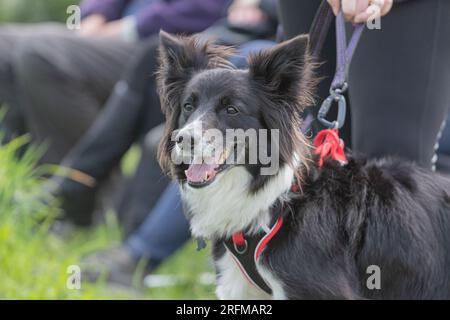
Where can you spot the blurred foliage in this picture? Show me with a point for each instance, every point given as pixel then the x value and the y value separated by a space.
pixel 34 261
pixel 34 10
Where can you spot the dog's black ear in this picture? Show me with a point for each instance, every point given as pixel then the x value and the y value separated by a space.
pixel 180 58
pixel 171 48
pixel 285 71
pixel 186 54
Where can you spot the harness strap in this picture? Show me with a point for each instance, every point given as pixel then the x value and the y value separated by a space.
pixel 247 255
pixel 246 250
pixel 265 240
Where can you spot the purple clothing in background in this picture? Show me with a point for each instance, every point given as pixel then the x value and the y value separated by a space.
pixel 177 16
pixel 110 9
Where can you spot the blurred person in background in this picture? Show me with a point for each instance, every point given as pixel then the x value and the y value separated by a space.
pixel 398 92
pixel 131 115
pixel 55 81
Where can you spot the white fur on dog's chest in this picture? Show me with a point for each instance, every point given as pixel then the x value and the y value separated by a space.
pixel 226 207
pixel 232 284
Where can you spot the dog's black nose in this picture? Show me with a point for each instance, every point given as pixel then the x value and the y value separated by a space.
pixel 185 141
pixel 179 139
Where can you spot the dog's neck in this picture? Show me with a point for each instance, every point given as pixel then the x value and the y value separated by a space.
pixel 226 206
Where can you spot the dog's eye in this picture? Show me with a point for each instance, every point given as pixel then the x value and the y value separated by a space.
pixel 187 107
pixel 232 110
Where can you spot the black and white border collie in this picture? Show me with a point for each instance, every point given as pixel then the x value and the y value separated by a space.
pixel 343 220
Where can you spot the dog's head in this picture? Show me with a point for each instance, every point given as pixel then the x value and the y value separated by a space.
pixel 222 120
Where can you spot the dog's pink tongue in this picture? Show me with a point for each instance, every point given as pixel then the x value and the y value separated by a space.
pixel 200 172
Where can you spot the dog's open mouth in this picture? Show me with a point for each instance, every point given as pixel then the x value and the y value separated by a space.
pixel 203 173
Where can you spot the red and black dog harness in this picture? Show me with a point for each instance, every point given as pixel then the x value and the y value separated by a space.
pixel 246 250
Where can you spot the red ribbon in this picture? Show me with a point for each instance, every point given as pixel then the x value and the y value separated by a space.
pixel 328 144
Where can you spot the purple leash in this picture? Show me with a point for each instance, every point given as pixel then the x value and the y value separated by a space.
pixel 344 55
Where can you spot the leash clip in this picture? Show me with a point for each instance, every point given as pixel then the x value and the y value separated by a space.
pixel 336 95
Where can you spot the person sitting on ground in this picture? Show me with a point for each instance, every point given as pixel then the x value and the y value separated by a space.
pixel 55 81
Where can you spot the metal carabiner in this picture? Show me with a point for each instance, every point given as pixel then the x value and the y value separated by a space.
pixel 336 95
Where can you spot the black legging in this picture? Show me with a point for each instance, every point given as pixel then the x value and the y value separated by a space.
pixel 399 77
pixel 129 114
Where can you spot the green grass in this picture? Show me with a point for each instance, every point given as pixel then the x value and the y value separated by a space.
pixel 34 262
pixel 35 10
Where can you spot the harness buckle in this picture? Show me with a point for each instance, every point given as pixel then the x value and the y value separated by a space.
pixel 336 95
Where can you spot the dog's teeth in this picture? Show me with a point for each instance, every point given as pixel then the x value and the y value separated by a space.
pixel 227 153
pixel 206 176
pixel 224 156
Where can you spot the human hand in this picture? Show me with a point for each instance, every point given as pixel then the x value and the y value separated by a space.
pixel 92 25
pixel 245 13
pixel 361 11
pixel 112 29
